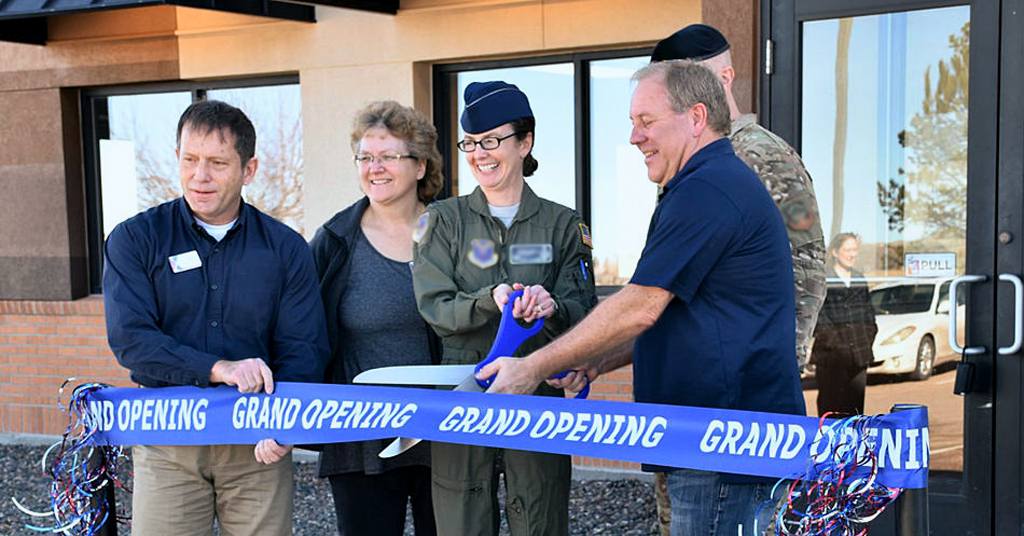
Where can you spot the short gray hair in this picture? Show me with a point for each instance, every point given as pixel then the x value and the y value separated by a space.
pixel 688 83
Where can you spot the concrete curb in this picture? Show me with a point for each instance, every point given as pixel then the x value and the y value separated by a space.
pixel 32 440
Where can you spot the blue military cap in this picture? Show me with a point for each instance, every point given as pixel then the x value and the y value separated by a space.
pixel 491 104
pixel 695 42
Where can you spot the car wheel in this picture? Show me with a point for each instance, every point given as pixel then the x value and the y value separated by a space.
pixel 925 359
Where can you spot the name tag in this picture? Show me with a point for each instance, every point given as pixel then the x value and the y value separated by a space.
pixel 184 262
pixel 529 253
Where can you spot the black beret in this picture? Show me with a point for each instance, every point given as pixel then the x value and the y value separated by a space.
pixel 695 42
pixel 492 104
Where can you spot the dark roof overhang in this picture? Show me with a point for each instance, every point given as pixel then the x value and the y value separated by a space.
pixel 24 21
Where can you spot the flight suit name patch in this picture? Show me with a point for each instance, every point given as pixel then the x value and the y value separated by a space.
pixel 530 254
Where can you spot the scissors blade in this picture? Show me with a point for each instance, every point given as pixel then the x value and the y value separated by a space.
pixel 416 375
pixel 402 444
pixel 398 446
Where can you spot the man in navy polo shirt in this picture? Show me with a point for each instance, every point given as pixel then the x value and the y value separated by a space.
pixel 206 290
pixel 708 317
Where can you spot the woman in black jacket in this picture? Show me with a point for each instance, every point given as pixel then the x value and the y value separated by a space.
pixel 844 333
pixel 364 255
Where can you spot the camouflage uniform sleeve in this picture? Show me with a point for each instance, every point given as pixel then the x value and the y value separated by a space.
pixel 574 290
pixel 809 282
pixel 442 304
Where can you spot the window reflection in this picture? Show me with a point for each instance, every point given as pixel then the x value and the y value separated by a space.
pixel 138 169
pixel 622 199
pixel 884 134
pixel 276 112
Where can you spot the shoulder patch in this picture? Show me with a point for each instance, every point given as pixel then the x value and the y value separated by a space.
pixel 800 215
pixel 585 236
pixel 422 224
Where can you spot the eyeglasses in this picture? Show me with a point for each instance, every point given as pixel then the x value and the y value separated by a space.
pixel 489 143
pixel 386 159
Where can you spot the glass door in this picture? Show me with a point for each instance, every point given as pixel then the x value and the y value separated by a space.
pixel 886 102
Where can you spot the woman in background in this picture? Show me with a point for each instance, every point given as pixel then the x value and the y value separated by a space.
pixel 845 331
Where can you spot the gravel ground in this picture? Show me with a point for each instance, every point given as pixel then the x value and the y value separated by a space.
pixel 619 507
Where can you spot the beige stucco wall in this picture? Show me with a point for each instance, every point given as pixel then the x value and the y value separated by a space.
pixel 349 58
pixel 103 48
pixel 42 213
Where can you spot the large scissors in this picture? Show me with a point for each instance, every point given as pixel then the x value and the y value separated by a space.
pixel 511 335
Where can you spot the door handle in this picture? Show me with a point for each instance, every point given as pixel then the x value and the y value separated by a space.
pixel 952 315
pixel 1018 305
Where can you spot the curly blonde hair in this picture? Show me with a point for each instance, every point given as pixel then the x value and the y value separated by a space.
pixel 410 126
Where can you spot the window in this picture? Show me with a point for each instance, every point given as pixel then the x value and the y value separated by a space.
pixel 622 197
pixel 884 133
pixel 130 141
pixel 581 102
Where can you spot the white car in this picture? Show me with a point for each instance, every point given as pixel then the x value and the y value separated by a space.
pixel 913 325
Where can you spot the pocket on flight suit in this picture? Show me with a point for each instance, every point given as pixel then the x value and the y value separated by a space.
pixel 463 489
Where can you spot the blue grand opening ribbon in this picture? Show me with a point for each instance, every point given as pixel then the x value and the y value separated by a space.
pixel 742 442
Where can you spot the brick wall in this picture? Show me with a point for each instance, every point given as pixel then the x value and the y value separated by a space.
pixel 43 343
pixel 617 386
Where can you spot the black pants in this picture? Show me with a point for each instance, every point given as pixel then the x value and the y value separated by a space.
pixel 368 505
pixel 840 386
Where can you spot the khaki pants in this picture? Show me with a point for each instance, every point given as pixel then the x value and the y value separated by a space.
pixel 180 490
pixel 465 487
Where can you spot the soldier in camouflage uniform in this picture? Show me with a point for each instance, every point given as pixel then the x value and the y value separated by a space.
pixel 781 171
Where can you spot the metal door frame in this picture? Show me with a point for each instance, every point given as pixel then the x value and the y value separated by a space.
pixel 992 414
pixel 1008 512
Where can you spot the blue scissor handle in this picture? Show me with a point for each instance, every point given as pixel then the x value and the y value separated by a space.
pixel 510 337
pixel 584 392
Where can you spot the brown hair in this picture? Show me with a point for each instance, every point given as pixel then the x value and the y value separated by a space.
pixel 837 243
pixel 410 126
pixel 522 127
pixel 208 116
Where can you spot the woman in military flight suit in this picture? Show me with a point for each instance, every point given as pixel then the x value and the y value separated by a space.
pixel 471 252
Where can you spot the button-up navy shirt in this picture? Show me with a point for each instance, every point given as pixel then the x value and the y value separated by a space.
pixel 254 295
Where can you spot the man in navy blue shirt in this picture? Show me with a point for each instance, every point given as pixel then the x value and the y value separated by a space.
pixel 708 317
pixel 205 290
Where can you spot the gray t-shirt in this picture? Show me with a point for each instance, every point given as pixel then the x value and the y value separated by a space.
pixel 380 327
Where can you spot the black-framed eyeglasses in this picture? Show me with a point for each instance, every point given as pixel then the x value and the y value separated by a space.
pixel 489 143
pixel 386 159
